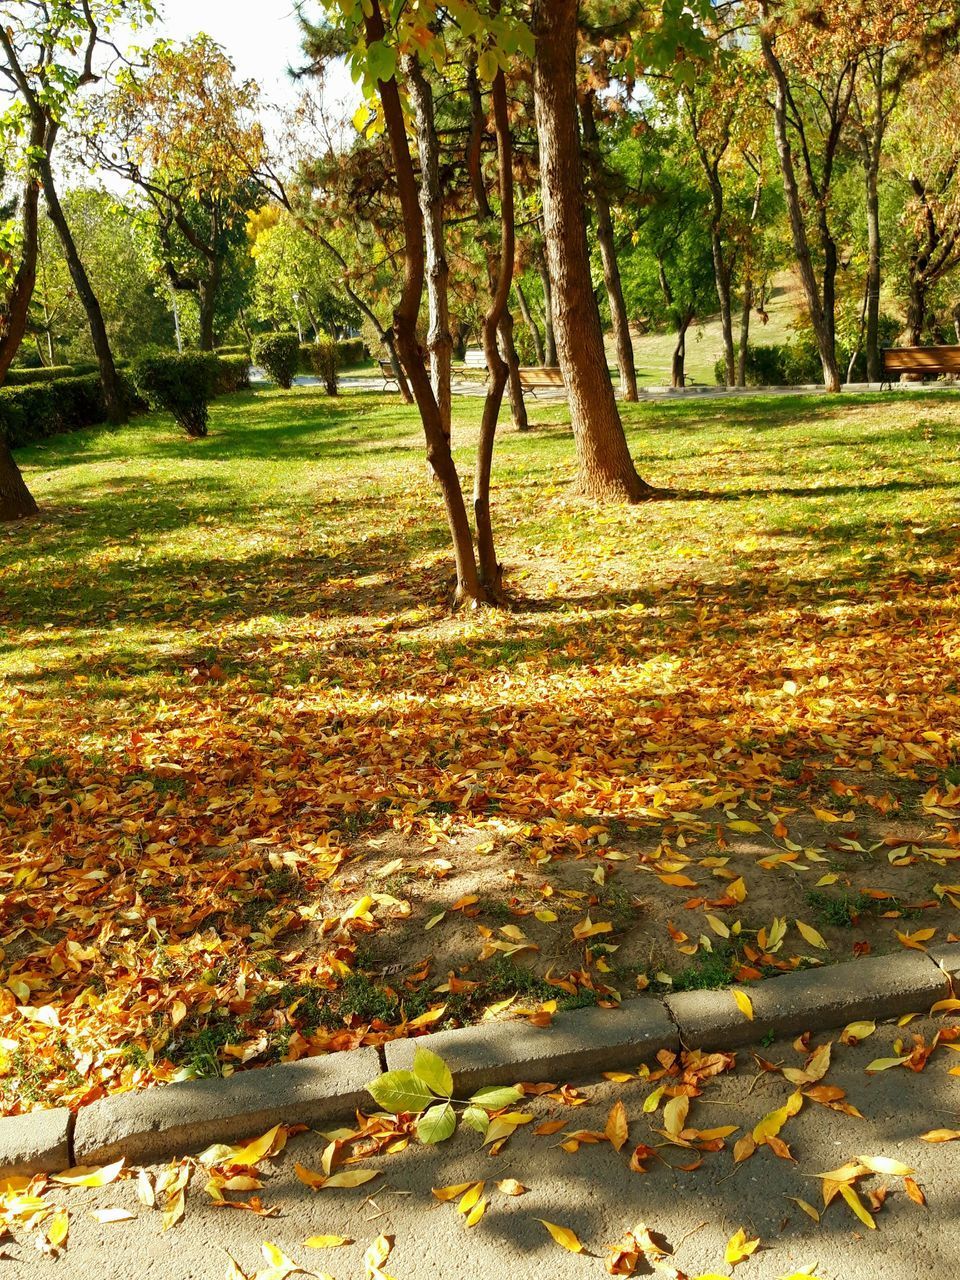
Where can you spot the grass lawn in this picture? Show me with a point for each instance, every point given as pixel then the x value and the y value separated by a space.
pixel 262 796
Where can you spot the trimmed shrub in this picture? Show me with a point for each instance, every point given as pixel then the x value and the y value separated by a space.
pixel 236 350
pixel 279 354
pixel 32 413
pixel 325 362
pixel 49 373
pixel 351 351
pixel 179 384
pixel 233 374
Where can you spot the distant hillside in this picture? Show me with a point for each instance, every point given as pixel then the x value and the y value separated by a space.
pixel 654 351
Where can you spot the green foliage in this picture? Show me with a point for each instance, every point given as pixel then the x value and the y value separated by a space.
pixel 53 407
pixel 180 384
pixel 279 355
pixel 324 357
pixel 427 1092
pixel 233 373
pixel 48 373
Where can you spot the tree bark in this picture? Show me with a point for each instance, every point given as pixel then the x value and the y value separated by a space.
pixel 549 332
pixel 874 265
pixel 13 319
pixel 721 272
pixel 491 572
pixel 534 329
pixel 16 500
pixel 606 469
pixel 406 313
pixel 744 332
pixel 518 406
pixel 821 311
pixel 114 399
pixel 209 288
pixel 678 376
pixel 608 251
pixel 439 341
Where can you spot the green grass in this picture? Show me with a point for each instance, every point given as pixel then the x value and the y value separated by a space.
pixel 224 662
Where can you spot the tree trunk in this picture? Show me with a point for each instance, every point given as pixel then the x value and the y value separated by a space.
pixel 916 311
pixel 608 252
pixel 874 266
pixel 744 332
pixel 518 406
pixel 388 337
pixel 16 308
pixel 209 288
pixel 605 466
pixel 534 329
pixel 16 500
pixel 678 376
pixel 439 342
pixel 549 332
pixel 822 322
pixel 721 272
pixel 406 313
pixel 491 572
pixel 114 399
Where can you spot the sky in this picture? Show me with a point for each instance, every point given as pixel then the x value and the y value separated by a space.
pixel 261 36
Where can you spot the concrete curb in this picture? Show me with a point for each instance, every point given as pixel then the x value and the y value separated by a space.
pixel 158 1124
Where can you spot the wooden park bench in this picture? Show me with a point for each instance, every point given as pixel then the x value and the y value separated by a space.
pixel 921 361
pixel 388 375
pixel 534 380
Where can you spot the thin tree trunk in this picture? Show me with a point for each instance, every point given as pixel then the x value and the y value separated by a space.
pixel 916 311
pixel 209 288
pixel 608 252
pixel 388 338
pixel 439 342
pixel 518 406
pixel 16 309
pixel 678 376
pixel 744 332
pixel 549 332
pixel 606 469
pixel 821 321
pixel 115 401
pixel 491 572
pixel 874 267
pixel 721 272
pixel 406 313
pixel 534 329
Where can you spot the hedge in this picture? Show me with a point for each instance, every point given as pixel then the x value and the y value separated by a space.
pixel 47 373
pixel 179 383
pixel 37 410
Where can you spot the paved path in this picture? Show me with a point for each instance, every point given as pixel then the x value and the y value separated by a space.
pixel 592 1191
pixel 475 387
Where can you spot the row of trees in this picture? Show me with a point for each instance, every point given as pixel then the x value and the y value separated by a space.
pixel 521 174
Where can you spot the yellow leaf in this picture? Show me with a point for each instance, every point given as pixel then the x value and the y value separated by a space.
pixel 940 1135
pixel 678 881
pixel 58 1229
pixel 675 1115
pixel 856 1204
pixel 470 1197
pixel 476 1213
pixel 444 1194
pixel 327 1242
pixel 278 1259
pixel 85 1176
pixel 717 925
pixel 883 1064
pixel 307 1176
pixel 854 1032
pixel 351 1178
pixel 618 1127
pixel 563 1236
pixel 739 1248
pixel 174 1211
pixel 377 1254
pixel 111 1215
pixel 545 916
pixel 743 1002
pixel 809 934
pixel 946 1006
pixel 742 825
pixel 883 1164
pixel 807 1208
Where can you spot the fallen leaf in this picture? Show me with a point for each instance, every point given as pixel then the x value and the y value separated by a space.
pixel 563 1236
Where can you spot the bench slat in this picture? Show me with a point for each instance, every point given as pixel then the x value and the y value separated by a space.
pixel 921 359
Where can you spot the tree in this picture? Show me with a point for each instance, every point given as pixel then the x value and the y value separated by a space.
pixel 49 50
pixel 184 132
pixel 925 158
pixel 813 67
pixel 606 469
pixel 294 283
